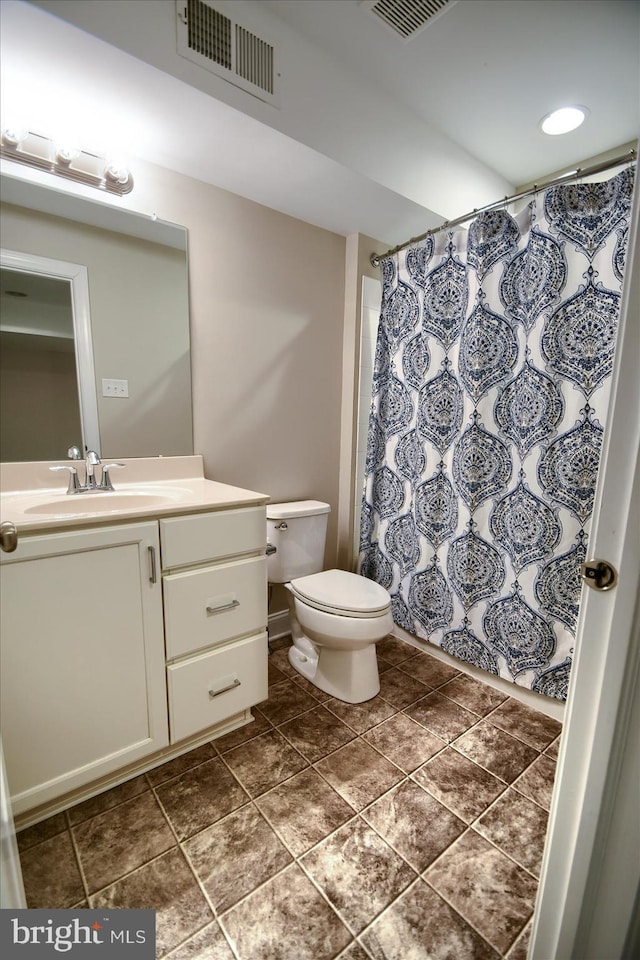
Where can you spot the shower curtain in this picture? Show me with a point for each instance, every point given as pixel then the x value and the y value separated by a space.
pixel 490 391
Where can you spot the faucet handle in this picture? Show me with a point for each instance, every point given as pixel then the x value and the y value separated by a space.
pixel 74 486
pixel 106 478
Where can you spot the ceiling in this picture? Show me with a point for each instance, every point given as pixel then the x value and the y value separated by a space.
pixel 485 72
pixel 373 134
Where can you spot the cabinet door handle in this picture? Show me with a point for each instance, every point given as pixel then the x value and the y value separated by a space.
pixel 216 693
pixel 153 574
pixel 8 536
pixel 224 606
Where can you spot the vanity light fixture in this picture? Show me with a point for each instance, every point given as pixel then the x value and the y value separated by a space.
pixel 35 150
pixel 563 120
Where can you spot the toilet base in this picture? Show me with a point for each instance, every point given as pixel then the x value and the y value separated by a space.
pixel 348 675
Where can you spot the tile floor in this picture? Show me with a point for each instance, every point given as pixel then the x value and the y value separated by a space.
pixel 410 827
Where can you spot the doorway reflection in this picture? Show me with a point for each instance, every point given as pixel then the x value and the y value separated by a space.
pixel 39 408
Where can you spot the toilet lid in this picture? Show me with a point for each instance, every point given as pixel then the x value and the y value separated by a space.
pixel 337 591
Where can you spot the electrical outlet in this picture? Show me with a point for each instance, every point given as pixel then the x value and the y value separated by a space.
pixel 115 388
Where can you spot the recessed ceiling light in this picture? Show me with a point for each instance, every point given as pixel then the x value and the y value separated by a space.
pixel 563 120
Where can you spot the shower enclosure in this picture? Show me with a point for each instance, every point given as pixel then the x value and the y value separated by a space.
pixel 490 391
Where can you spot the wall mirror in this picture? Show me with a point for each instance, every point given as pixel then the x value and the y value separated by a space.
pixel 92 294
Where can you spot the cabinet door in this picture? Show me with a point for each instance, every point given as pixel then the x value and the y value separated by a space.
pixel 83 687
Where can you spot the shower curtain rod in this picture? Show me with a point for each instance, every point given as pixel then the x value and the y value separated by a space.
pixel 628 157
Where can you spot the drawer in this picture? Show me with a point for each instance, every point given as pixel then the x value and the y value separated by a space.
pixel 208 688
pixel 212 536
pixel 211 605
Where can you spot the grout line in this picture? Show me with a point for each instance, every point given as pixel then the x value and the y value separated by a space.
pixel 113 806
pixel 162 783
pixel 273 786
pixel 220 916
pixel 76 853
pixel 325 897
pixel 194 874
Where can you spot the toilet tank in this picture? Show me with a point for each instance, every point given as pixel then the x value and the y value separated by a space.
pixel 298 531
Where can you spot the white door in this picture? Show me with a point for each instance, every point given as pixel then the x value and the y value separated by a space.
pixel 591 869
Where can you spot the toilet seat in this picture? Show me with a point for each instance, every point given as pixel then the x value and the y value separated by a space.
pixel 342 593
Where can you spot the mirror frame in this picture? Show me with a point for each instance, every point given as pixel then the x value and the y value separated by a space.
pixel 78 277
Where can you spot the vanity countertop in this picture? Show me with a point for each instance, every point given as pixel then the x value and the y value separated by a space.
pixel 146 487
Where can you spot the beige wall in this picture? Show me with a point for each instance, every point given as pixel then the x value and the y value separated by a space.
pixel 267 313
pixel 39 413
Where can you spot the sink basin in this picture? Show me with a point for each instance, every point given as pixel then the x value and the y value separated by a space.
pixel 90 503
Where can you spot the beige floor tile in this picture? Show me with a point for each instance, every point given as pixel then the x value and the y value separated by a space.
pixel 489 890
pixel 460 784
pixel 200 797
pixel 208 944
pixel 361 716
pixel 303 810
pixel 50 873
pixel 414 823
pixel 471 694
pixel 285 918
pixel 496 751
pixel 537 781
pixel 404 742
pixel 317 733
pixel 264 762
pixel 359 873
pixel 235 855
pixel 167 886
pixel 518 826
pixel 358 773
pixel 443 717
pixel 534 728
pixel 421 925
pixel 121 839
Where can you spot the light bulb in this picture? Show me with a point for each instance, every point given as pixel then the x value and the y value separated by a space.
pixel 13 136
pixel 66 154
pixel 116 172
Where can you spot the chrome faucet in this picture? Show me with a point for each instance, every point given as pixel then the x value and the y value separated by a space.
pixel 91 461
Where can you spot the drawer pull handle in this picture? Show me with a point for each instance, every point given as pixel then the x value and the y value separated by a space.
pixel 225 606
pixel 153 574
pixel 231 686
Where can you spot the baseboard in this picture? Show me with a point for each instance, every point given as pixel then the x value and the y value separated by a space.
pixel 278 625
pixel 549 706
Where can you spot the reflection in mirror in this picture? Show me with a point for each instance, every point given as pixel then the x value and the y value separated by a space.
pixel 136 318
pixel 39 409
pixel 47 386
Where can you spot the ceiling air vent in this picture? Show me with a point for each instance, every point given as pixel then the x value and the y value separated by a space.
pixel 407 17
pixel 223 46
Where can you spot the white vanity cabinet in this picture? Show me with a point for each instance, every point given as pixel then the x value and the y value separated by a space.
pixel 83 686
pixel 215 610
pixel 126 644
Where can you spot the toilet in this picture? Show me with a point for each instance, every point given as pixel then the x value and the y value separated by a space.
pixel 336 617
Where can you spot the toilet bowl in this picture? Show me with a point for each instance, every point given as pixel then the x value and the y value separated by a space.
pixel 336 617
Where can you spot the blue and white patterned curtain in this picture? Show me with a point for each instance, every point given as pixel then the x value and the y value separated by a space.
pixel 490 392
